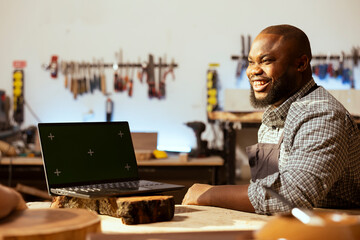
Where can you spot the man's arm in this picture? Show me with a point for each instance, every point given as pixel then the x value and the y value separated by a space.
pixel 226 196
pixel 10 200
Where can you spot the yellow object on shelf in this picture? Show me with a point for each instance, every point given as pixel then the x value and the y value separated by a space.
pixel 159 154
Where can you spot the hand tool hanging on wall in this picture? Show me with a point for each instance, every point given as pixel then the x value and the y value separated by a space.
pixel 160 85
pixel 83 79
pixel 92 78
pixel 150 72
pixel 126 77
pixel 120 75
pixel 64 70
pixel 53 66
pixel 131 82
pixel 242 58
pixel 98 76
pixel 239 67
pixel 86 78
pixel 71 80
pixel 80 80
pixel 88 73
pixel 142 70
pixel 170 70
pixel 102 77
pixel 75 81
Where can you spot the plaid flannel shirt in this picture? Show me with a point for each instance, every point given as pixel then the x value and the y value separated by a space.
pixel 319 162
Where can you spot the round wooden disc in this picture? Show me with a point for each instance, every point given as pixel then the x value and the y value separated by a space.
pixel 49 224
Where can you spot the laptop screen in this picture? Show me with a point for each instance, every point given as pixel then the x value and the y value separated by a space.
pixel 84 153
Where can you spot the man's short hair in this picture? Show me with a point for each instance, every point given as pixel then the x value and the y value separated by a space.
pixel 291 33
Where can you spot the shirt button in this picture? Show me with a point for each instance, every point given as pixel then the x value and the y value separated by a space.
pixel 273 127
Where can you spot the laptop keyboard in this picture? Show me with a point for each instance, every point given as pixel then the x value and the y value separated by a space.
pixel 109 187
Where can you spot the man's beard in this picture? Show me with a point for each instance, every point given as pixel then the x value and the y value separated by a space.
pixel 280 89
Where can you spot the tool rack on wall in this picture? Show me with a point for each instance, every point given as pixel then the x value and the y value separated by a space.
pixel 86 77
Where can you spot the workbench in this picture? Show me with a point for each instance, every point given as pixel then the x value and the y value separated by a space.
pixel 30 171
pixel 188 219
pixel 191 222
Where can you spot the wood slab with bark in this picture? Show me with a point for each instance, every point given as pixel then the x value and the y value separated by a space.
pixel 131 210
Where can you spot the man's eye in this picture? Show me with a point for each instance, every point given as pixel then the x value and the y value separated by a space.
pixel 267 60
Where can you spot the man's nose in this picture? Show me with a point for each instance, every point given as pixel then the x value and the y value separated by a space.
pixel 253 70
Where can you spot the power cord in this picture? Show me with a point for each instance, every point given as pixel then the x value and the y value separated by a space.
pixel 32 112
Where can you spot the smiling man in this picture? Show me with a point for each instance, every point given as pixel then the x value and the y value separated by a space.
pixel 309 145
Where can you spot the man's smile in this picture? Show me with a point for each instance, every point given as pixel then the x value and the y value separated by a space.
pixel 260 85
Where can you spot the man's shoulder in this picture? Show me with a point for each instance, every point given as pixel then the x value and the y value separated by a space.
pixel 320 100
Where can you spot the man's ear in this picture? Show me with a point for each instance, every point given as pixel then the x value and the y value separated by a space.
pixel 302 63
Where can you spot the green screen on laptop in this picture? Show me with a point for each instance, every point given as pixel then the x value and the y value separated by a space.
pixel 87 152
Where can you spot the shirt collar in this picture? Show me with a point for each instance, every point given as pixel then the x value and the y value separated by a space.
pixel 277 116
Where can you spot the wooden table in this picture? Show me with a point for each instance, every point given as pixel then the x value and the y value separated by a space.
pixel 190 222
pixel 188 219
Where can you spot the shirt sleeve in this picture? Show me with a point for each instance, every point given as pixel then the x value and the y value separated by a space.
pixel 315 143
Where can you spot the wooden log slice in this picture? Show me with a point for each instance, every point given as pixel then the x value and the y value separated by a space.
pixel 49 224
pixel 131 210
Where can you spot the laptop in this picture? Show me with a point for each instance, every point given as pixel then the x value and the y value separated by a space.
pixel 93 160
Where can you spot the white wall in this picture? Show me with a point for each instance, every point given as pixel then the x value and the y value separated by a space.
pixel 193 32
